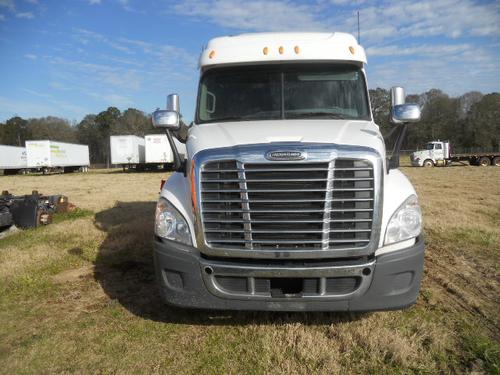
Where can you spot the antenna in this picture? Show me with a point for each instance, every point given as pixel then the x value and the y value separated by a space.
pixel 359 39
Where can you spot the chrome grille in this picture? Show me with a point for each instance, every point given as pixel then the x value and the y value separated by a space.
pixel 287 206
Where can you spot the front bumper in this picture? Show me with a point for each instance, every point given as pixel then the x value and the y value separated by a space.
pixel 387 282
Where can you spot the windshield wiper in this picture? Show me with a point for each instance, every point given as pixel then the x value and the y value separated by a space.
pixel 338 116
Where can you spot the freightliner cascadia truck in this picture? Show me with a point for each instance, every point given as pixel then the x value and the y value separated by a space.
pixel 286 200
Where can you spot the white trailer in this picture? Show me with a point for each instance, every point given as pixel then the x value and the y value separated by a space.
pixel 12 159
pixel 127 151
pixel 159 152
pixel 49 156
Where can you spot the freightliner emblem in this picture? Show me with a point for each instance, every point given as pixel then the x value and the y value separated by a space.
pixel 285 155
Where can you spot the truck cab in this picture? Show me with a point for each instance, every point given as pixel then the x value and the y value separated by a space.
pixel 286 200
pixel 435 153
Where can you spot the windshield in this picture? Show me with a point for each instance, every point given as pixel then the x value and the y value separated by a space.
pixel 283 92
pixel 429 146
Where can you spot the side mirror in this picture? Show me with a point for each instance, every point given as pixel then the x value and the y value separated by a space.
pixel 166 119
pixel 400 111
pixel 405 113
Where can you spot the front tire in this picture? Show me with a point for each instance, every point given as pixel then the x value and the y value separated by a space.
pixel 428 163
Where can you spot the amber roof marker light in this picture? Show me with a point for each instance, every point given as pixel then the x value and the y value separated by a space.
pixel 211 54
pixel 281 50
pixel 296 49
pixel 351 48
pixel 265 50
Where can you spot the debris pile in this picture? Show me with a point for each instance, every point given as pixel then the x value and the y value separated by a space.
pixel 30 211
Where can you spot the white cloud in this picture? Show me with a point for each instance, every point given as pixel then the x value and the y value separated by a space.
pixel 34 2
pixel 26 15
pixel 252 15
pixel 111 99
pixel 9 4
pixel 433 50
pixel 10 107
pixel 389 19
pixel 83 35
pixel 31 56
pixel 2 17
pixel 407 18
pixel 125 4
pixel 94 2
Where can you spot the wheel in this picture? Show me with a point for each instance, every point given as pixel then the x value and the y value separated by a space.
pixel 473 161
pixel 428 163
pixel 496 161
pixel 484 161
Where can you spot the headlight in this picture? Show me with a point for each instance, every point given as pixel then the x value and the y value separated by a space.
pixel 405 223
pixel 170 224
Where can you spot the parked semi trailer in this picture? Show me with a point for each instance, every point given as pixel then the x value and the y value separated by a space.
pixel 286 200
pixel 159 153
pixel 127 151
pixel 12 159
pixel 439 153
pixel 50 156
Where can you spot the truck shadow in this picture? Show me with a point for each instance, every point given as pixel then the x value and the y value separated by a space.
pixel 125 270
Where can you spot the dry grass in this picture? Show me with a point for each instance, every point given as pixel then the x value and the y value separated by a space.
pixel 80 296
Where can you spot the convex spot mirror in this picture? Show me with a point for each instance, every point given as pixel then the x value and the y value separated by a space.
pixel 166 119
pixel 405 113
pixel 402 112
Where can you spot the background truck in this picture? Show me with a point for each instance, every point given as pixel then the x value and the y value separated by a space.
pixel 286 200
pixel 159 153
pixel 50 156
pixel 127 151
pixel 12 159
pixel 439 153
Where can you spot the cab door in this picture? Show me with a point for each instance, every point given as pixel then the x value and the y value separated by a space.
pixel 438 152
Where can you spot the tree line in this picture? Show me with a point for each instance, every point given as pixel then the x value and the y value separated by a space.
pixel 470 121
pixel 93 130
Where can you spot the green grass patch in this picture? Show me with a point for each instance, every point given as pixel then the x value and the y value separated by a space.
pixel 479 349
pixel 77 213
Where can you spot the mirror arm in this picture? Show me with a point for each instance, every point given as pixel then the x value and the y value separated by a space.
pixel 179 165
pixel 394 160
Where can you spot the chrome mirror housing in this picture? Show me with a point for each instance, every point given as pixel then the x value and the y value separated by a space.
pixel 404 113
pixel 166 119
pixel 398 96
pixel 173 103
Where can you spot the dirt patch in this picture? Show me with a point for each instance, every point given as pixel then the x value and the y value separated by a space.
pixel 74 275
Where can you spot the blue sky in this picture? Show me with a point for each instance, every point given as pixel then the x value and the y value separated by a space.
pixel 74 57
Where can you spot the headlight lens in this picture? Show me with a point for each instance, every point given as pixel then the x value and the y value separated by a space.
pixel 170 224
pixel 405 223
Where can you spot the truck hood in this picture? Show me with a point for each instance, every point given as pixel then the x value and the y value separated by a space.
pixel 341 132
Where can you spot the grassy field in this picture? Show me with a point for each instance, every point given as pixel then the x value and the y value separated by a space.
pixel 80 295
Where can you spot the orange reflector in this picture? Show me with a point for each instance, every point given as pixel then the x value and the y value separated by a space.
pixel 162 183
pixel 265 51
pixel 281 50
pixel 297 49
pixel 211 54
pixel 352 50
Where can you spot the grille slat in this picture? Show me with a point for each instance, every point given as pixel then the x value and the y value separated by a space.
pixel 287 206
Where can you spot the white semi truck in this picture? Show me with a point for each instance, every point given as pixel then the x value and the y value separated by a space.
pixel 12 159
pixel 50 156
pixel 286 200
pixel 439 153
